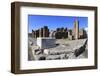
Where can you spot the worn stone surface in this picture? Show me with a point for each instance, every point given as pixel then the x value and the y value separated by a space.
pixel 45 43
pixel 63 49
pixel 76 29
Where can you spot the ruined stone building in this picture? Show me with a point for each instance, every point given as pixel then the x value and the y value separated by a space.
pixel 82 33
pixel 42 32
pixel 61 33
pixel 70 36
pixel 52 34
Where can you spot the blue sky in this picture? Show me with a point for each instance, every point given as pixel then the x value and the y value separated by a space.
pixel 53 22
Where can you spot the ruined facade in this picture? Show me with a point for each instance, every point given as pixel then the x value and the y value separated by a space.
pixel 61 33
pixel 45 31
pixel 70 36
pixel 42 32
pixel 82 33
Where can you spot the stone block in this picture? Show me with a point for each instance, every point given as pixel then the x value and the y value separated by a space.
pixel 45 42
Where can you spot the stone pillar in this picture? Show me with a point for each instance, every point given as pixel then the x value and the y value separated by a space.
pixel 33 34
pixel 70 36
pixel 52 34
pixel 66 33
pixel 37 33
pixel 76 29
pixel 40 33
pixel 82 34
pixel 47 35
pixel 69 32
pixel 45 31
pixel 58 33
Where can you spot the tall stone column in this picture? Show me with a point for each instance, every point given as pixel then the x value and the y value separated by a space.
pixel 41 32
pixel 33 34
pixel 37 33
pixel 45 31
pixel 76 29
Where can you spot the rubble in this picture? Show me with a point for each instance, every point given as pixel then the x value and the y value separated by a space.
pixel 71 49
